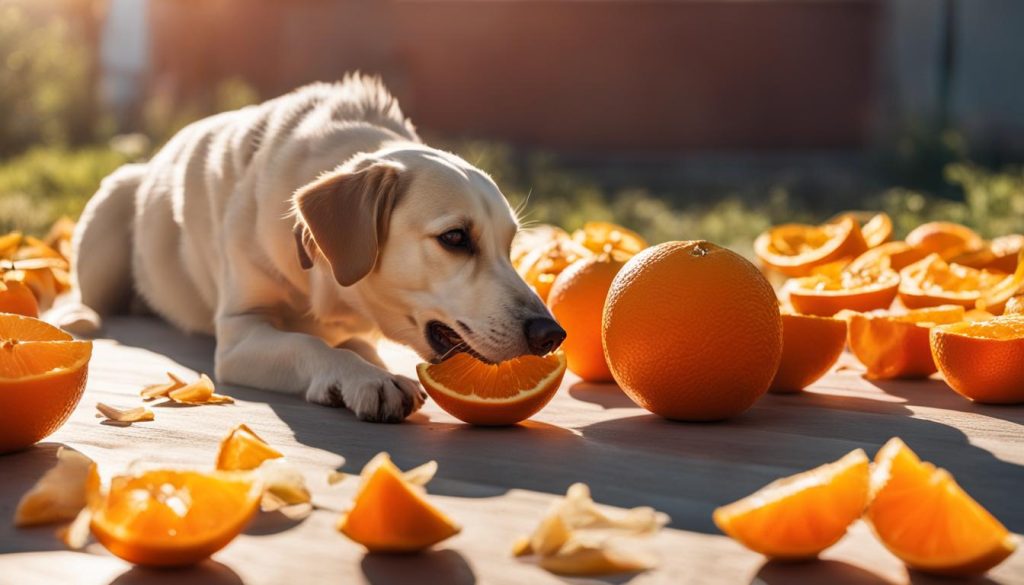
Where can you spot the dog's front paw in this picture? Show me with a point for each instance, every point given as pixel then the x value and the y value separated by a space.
pixel 374 396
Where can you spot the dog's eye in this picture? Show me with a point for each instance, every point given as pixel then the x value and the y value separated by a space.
pixel 456 239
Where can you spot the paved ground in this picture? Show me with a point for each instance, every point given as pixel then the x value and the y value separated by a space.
pixel 497 482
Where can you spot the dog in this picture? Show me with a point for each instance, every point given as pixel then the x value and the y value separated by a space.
pixel 299 232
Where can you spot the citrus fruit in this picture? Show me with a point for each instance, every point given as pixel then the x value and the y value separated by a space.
pixel 17 298
pixel 1015 306
pixel 243 449
pixel 577 302
pixel 493 394
pixel 604 237
pixel 827 294
pixel 391 515
pixel 1000 254
pixel 944 238
pixel 794 249
pixel 933 281
pixel 42 377
pixel 899 255
pixel 543 264
pixel 983 360
pixel 799 516
pixel 692 331
pixel 894 344
pixel 810 346
pixel 165 518
pixel 61 493
pixel 923 517
pixel 877 230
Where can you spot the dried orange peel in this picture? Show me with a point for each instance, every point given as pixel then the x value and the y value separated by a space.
pixel 923 517
pixel 576 537
pixel 125 415
pixel 202 391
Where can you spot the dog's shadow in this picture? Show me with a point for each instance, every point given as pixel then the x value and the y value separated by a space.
pixel 632 458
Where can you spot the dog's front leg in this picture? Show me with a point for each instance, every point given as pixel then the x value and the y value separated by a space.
pixel 252 352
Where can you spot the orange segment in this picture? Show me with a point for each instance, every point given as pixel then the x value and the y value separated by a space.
pixel 391 515
pixel 932 281
pixel 608 238
pixel 795 249
pixel 799 516
pixel 827 294
pixel 810 346
pixel 16 297
pixel 167 518
pixel 244 449
pixel 983 360
pixel 493 394
pixel 944 238
pixel 923 517
pixel 894 344
pixel 42 377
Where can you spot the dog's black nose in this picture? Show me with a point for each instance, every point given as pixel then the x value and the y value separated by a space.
pixel 543 335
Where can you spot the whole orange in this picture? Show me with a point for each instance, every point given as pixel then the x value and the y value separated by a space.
pixel 577 302
pixel 692 331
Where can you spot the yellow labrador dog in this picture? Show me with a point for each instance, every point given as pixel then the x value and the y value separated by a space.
pixel 300 230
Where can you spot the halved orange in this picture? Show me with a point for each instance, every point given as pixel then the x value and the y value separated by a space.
pixel 543 264
pixel 923 517
pixel 798 517
pixel 933 281
pixel 1000 254
pixel 944 238
pixel 42 377
pixel 166 518
pixel 16 297
pixel 795 249
pixel 827 294
pixel 983 360
pixel 894 344
pixel 390 514
pixel 810 346
pixel 877 229
pixel 602 237
pixel 243 449
pixel 493 394
pixel 899 255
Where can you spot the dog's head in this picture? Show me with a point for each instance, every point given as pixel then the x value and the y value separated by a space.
pixel 425 237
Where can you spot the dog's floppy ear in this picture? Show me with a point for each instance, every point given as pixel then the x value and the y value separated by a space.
pixel 345 215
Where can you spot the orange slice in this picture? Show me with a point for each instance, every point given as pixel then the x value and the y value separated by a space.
pixel 166 518
pixel 608 238
pixel 899 255
pixel 795 249
pixel 493 394
pixel 827 294
pixel 923 517
pixel 810 346
pixel 42 377
pixel 932 281
pixel 16 297
pixel 799 516
pixel 944 238
pixel 894 344
pixel 390 514
pixel 983 360
pixel 243 449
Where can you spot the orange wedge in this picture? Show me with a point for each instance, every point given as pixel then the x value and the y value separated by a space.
pixel 499 394
pixel 944 238
pixel 932 281
pixel 167 518
pixel 810 346
pixel 983 360
pixel 894 344
pixel 827 293
pixel 243 449
pixel 390 514
pixel 899 255
pixel 16 297
pixel 602 237
pixel 42 377
pixel 923 517
pixel 799 516
pixel 795 249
